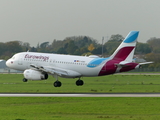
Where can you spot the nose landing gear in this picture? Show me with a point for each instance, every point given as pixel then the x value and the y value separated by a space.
pixel 24 80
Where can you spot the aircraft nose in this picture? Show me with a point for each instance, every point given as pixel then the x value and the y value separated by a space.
pixel 8 63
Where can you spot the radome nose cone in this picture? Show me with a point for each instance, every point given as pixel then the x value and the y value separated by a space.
pixel 8 63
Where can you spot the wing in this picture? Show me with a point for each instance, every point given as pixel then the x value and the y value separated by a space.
pixel 57 71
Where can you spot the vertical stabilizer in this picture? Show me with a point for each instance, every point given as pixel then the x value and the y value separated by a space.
pixel 126 49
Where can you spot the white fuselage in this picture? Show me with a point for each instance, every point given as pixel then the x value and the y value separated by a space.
pixel 80 64
pixel 77 66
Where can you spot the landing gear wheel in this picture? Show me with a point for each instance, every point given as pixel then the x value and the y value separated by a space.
pixel 25 80
pixel 57 84
pixel 79 82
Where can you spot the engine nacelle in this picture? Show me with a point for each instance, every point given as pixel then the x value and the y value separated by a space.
pixel 34 75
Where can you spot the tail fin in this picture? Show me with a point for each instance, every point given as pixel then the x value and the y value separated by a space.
pixel 126 49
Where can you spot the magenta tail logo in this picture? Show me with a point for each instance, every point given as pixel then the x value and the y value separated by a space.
pixel 123 53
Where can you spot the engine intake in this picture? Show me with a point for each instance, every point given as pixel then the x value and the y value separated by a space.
pixel 34 75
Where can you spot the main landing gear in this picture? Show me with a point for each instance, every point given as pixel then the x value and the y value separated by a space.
pixel 79 82
pixel 57 83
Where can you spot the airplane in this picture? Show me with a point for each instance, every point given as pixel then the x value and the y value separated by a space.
pixel 38 66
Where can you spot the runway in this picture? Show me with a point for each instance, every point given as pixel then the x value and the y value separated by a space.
pixel 84 95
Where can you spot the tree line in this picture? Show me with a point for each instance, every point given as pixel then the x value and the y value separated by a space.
pixel 84 45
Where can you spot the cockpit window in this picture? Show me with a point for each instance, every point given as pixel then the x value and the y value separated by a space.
pixel 13 57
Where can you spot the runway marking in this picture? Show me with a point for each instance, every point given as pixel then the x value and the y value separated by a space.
pixel 82 95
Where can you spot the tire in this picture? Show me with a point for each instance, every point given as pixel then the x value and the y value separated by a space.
pixel 25 80
pixel 79 82
pixel 57 84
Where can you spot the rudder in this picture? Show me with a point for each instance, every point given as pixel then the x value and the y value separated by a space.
pixel 126 49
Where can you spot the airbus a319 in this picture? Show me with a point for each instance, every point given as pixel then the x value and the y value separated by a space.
pixel 37 66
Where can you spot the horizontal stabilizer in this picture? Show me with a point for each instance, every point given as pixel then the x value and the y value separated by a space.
pixel 126 65
pixel 144 63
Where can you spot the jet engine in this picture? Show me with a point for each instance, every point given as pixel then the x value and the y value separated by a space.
pixel 34 75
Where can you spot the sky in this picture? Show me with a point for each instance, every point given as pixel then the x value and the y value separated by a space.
pixel 38 21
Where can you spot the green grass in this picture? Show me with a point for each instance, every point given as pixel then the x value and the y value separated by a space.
pixel 62 108
pixel 12 83
pixel 80 108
